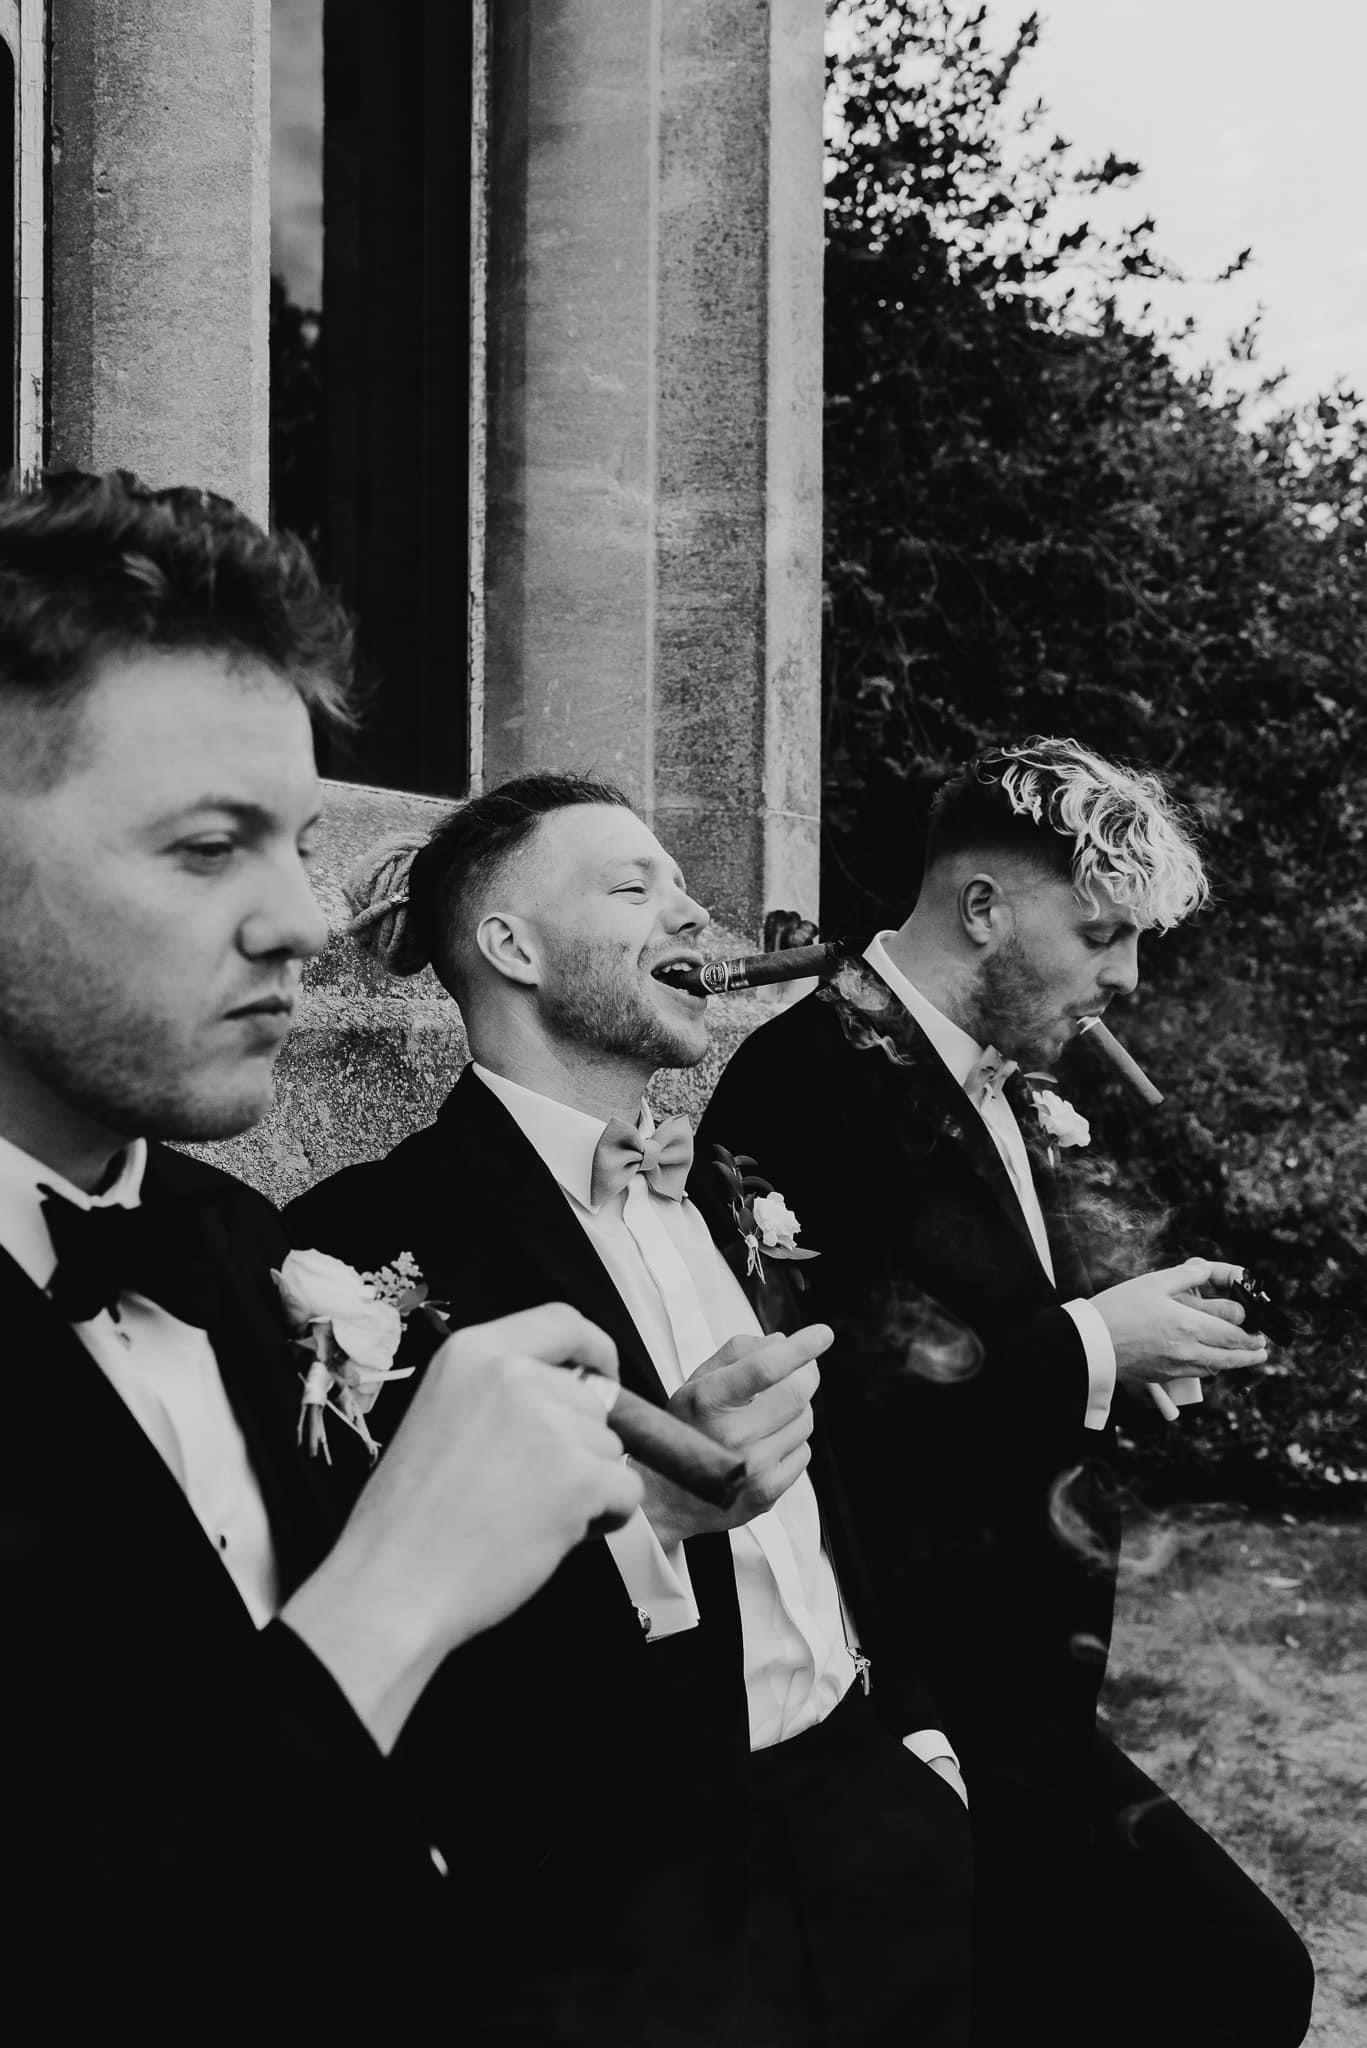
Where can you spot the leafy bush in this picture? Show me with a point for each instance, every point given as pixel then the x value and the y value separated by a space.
pixel 1038 522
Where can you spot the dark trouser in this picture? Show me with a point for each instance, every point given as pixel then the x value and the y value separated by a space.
pixel 858 1934
pixel 1128 1926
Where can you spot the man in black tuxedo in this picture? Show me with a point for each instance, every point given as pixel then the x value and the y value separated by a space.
pixel 980 1350
pixel 685 1698
pixel 210 1650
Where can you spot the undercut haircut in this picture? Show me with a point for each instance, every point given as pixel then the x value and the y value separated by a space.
pixel 417 902
pixel 1095 823
pixel 100 568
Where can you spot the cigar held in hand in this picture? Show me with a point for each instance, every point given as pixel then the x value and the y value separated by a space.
pixel 657 1439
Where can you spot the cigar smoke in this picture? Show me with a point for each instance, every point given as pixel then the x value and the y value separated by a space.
pixel 931 1344
pixel 1072 1524
pixel 657 1439
pixel 1087 1648
pixel 1149 1548
pixel 1127 1823
pixel 1117 1237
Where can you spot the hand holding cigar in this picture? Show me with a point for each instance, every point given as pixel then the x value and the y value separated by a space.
pixel 656 1439
pixel 751 1399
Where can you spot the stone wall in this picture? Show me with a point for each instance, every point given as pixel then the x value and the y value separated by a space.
pixel 159 241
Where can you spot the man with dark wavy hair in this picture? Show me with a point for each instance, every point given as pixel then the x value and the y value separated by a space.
pixel 212 1641
pixel 908 1112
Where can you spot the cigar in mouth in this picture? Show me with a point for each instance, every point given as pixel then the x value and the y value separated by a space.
pixel 1108 1045
pixel 656 1438
pixel 756 970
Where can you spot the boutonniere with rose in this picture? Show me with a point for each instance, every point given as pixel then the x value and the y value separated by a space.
pixel 1058 1123
pixel 767 1226
pixel 348 1326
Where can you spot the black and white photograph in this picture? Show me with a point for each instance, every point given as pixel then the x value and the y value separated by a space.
pixel 683 1023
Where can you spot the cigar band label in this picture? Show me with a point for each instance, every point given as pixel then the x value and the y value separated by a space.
pixel 715 976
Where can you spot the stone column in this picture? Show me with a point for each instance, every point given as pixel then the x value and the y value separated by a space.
pixel 160 241
pixel 653 550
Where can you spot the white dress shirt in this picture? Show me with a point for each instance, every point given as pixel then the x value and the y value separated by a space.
pixel 686 1302
pixel 961 1054
pixel 162 1369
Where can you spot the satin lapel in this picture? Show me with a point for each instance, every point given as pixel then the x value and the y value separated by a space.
pixel 778 1306
pixel 78 1452
pixel 927 1107
pixel 305 1498
pixel 1053 1190
pixel 518 1191
pixel 708 1193
pixel 776 1296
pixel 1070 1267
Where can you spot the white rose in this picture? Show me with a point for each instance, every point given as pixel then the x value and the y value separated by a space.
pixel 369 1334
pixel 776 1222
pixel 316 1288
pixel 1060 1120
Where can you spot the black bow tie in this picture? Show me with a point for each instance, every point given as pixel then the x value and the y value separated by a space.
pixel 108 1251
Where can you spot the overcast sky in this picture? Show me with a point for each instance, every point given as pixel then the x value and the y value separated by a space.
pixel 296 147
pixel 1249 119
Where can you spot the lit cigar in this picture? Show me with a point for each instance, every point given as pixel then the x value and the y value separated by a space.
pixel 658 1439
pixel 1108 1045
pixel 756 970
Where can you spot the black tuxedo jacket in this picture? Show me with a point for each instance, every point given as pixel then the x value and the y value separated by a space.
pixel 597 1781
pixel 191 1807
pixel 982 1503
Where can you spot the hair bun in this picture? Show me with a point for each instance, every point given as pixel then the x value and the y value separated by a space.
pixel 377 894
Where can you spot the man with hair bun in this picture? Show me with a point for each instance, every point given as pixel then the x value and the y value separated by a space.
pixel 213 1641
pixel 689 1699
pixel 903 1113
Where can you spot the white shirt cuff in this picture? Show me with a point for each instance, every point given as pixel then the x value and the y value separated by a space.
pixel 1173 1395
pixel 1100 1356
pixel 657 1581
pixel 927 1744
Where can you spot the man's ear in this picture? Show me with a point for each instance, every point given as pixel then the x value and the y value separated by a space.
pixel 508 946
pixel 984 912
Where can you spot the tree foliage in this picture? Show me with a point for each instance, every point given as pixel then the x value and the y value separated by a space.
pixel 1038 522
pixel 298 448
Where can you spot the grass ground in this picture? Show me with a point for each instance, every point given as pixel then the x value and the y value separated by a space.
pixel 1238 1680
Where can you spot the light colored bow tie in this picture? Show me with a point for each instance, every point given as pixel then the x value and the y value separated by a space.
pixel 664 1158
pixel 987 1077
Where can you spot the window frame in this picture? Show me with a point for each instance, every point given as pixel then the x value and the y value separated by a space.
pixel 24 29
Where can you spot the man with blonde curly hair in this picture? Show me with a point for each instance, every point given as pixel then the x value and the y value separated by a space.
pixel 988 1309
